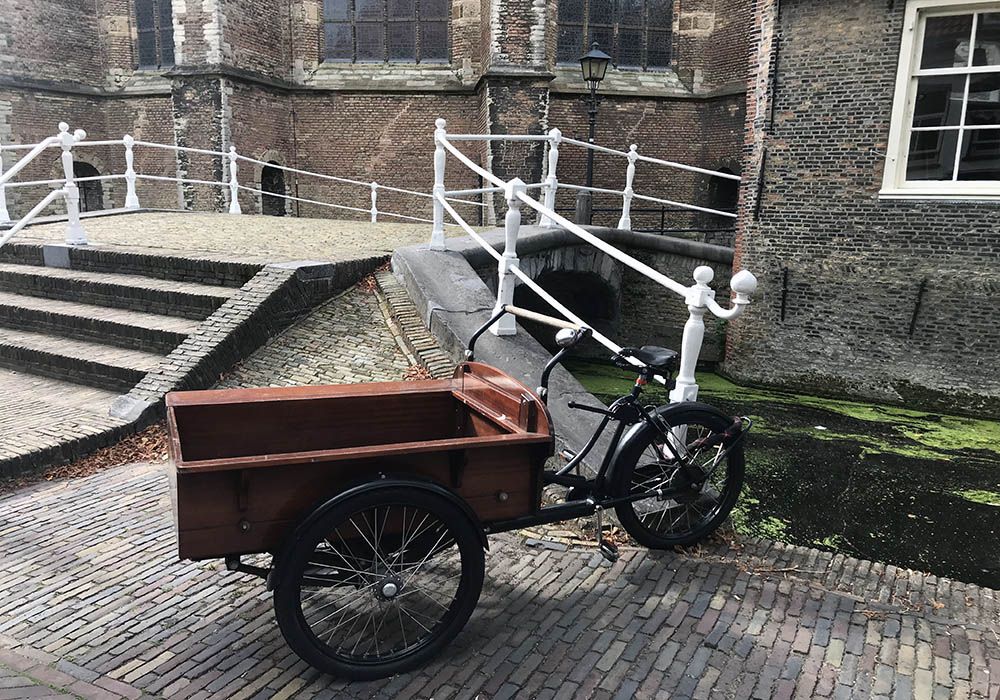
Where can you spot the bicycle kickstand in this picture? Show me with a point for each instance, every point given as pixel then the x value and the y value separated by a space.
pixel 607 548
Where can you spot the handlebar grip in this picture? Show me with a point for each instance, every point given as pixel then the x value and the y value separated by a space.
pixel 540 318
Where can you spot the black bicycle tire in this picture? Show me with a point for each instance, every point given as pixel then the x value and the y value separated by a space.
pixel 627 460
pixel 287 607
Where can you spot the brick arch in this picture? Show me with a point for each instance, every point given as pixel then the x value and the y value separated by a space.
pixel 113 190
pixel 270 156
pixel 586 280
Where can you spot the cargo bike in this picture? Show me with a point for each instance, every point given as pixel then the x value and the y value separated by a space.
pixel 374 501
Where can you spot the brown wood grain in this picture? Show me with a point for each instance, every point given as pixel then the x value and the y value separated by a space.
pixel 251 463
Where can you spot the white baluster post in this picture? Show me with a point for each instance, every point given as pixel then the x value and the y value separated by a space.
pixel 234 184
pixel 131 199
pixel 374 202
pixel 75 235
pixel 625 223
pixel 4 215
pixel 686 388
pixel 437 228
pixel 506 280
pixel 551 181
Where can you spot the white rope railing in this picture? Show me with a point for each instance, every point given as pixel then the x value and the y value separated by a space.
pixel 68 184
pixel 699 297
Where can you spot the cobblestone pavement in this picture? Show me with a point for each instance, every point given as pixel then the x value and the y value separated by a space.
pixel 94 603
pixel 343 341
pixel 92 597
pixel 248 236
pixel 43 413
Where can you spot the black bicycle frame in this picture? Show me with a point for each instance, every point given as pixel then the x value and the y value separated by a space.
pixel 625 411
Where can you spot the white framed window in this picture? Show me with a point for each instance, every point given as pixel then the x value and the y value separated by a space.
pixel 944 137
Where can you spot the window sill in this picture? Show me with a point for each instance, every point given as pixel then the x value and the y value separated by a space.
pixel 940 196
pixel 376 77
pixel 661 83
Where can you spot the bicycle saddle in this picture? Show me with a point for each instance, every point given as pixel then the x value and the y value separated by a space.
pixel 652 356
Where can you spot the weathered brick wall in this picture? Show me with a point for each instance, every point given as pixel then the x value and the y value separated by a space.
pixel 855 263
pixel 705 133
pixel 710 43
pixel 262 128
pixel 51 40
pixel 388 138
pixel 258 36
pixel 199 120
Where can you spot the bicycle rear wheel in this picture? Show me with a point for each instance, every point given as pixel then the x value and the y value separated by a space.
pixel 700 488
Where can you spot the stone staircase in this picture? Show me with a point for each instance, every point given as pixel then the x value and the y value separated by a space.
pixel 80 327
pixel 92 338
pixel 87 325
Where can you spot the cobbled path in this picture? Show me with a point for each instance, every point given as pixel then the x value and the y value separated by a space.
pixel 39 413
pixel 92 598
pixel 95 604
pixel 344 341
pixel 245 237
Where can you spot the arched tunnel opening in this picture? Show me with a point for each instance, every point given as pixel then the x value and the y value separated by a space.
pixel 586 294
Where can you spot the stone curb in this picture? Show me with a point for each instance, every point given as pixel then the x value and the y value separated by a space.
pixel 415 336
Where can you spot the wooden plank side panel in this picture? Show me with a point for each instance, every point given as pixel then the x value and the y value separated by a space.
pixel 245 511
pixel 501 397
pixel 213 431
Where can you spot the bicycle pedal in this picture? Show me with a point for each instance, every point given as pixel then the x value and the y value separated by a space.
pixel 609 550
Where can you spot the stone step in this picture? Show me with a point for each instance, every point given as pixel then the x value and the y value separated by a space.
pixel 147 294
pixel 149 262
pixel 121 327
pixel 94 364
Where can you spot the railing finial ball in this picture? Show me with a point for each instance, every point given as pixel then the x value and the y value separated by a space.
pixel 79 134
pixel 440 123
pixel 743 282
pixel 703 274
pixel 63 127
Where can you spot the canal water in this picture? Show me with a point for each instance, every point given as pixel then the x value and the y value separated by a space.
pixel 915 489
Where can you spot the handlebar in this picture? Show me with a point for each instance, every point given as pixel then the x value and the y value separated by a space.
pixel 531 316
pixel 540 318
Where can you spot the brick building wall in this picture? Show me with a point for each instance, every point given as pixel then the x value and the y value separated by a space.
pixel 251 73
pixel 855 264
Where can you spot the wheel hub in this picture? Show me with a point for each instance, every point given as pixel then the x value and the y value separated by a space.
pixel 676 487
pixel 389 587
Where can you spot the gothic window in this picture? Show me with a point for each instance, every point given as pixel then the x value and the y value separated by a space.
pixel 945 132
pixel 386 31
pixel 154 22
pixel 636 33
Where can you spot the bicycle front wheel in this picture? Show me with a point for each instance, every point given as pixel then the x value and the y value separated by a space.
pixel 698 473
pixel 380 583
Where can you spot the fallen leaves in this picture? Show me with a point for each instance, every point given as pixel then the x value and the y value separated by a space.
pixel 149 445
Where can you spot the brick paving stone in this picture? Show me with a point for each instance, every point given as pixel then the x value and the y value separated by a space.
pixel 343 341
pixel 248 237
pixel 91 594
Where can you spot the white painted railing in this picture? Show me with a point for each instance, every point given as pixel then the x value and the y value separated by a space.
pixel 698 297
pixel 67 186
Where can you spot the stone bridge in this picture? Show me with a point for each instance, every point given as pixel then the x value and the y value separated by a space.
pixel 455 292
pixel 591 283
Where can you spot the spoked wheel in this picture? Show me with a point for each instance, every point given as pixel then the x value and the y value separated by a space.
pixel 699 489
pixel 380 583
